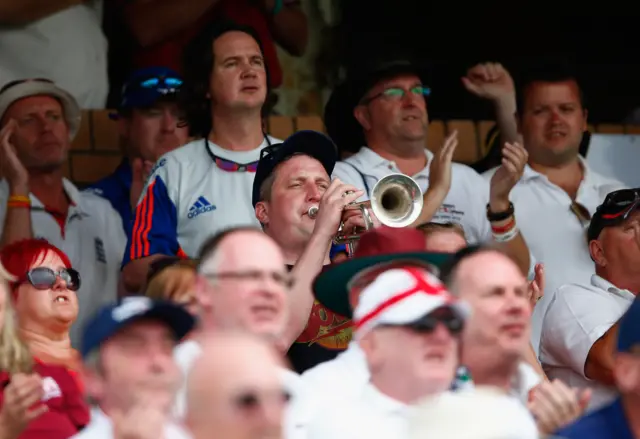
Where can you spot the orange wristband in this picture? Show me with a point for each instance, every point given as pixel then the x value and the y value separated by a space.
pixel 21 198
pixel 23 204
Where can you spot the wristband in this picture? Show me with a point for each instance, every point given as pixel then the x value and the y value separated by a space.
pixel 277 7
pixel 18 204
pixel 506 237
pixel 499 230
pixel 499 216
pixel 21 198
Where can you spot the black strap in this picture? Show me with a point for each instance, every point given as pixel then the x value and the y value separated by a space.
pixel 364 180
pixel 213 156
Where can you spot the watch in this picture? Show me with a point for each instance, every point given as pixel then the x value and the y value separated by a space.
pixel 500 216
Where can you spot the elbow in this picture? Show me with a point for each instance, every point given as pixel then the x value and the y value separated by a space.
pixel 130 278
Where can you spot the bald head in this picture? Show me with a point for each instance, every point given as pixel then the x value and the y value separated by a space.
pixel 235 390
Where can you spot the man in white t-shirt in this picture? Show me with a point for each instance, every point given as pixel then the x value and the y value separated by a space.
pixel 580 326
pixel 235 389
pixel 130 371
pixel 60 40
pixel 243 286
pixel 384 106
pixel 38 120
pixel 558 193
pixel 206 185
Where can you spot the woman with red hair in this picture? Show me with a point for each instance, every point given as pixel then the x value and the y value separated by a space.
pixel 42 293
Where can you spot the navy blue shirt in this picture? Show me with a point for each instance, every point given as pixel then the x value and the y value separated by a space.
pixel 607 423
pixel 116 188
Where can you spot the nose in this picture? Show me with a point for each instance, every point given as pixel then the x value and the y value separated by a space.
pixel 441 334
pixel 169 122
pixel 314 193
pixel 59 284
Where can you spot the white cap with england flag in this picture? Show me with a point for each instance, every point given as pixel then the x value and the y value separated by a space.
pixel 402 296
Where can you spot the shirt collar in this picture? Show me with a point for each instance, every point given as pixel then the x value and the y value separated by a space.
pixel 605 285
pixel 371 160
pixel 530 174
pixel 382 402
pixel 74 196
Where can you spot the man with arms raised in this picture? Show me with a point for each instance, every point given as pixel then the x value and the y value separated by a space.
pixel 384 107
pixel 205 186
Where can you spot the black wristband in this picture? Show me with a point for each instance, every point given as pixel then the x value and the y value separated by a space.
pixel 500 216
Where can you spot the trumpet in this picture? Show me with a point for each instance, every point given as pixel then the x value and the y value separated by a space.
pixel 396 200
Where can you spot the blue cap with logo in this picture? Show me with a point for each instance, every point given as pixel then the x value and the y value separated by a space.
pixel 145 86
pixel 629 332
pixel 112 318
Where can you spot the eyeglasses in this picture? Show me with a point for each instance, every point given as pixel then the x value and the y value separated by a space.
pixel 397 93
pixel 253 275
pixel 12 84
pixel 430 322
pixel 231 166
pixel 251 400
pixel 44 278
pixel 619 204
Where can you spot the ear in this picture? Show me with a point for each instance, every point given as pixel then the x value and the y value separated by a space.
pixel 361 113
pixel 262 212
pixel 201 292
pixel 597 253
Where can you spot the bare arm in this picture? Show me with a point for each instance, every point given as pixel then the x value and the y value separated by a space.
pixel 290 29
pixel 17 221
pixel 516 247
pixel 152 21
pixel 134 274
pixel 531 359
pixel 505 108
pixel 599 364
pixel 17 12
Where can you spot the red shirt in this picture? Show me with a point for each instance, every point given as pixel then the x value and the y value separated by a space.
pixel 169 52
pixel 68 413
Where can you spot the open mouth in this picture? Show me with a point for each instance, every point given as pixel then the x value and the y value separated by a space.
pixel 410 118
pixel 264 311
pixel 61 299
pixel 250 88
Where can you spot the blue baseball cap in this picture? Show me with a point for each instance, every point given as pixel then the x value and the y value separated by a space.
pixel 629 332
pixel 112 318
pixel 145 86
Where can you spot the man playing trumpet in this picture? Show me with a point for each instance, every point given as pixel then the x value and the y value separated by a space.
pixel 292 181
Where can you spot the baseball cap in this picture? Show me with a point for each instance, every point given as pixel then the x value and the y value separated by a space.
pixel 483 413
pixel 307 142
pixel 629 331
pixel 403 296
pixel 377 246
pixel 614 210
pixel 24 88
pixel 112 318
pixel 145 86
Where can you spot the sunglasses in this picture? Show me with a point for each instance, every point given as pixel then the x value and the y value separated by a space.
pixel 397 93
pixel 231 166
pixel 43 278
pixel 162 84
pixel 618 205
pixel 429 323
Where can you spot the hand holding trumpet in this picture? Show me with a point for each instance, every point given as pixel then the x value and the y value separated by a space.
pixel 331 210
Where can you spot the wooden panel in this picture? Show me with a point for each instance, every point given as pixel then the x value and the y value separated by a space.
pixel 310 123
pixel 632 129
pixel 104 131
pixel 606 128
pixel 435 135
pixel 87 168
pixel 83 137
pixel 467 150
pixel 591 128
pixel 280 127
pixel 484 126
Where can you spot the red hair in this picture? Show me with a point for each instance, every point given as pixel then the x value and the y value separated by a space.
pixel 18 257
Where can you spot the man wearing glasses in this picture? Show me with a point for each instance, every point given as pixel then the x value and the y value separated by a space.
pixel 149 124
pixel 205 186
pixel 381 112
pixel 580 326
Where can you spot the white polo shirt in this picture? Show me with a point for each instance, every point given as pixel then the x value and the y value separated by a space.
pixel 94 241
pixel 465 204
pixel 101 427
pixel 67 47
pixel 554 234
pixel 185 355
pixel 578 315
pixel 188 198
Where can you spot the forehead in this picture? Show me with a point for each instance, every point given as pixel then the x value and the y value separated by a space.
pixel 48 259
pixel 263 254
pixel 488 269
pixel 633 217
pixel 300 166
pixel 234 43
pixel 33 103
pixel 541 92
pixel 147 329
pixel 402 80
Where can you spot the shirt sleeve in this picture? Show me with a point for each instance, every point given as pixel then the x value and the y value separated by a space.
pixel 574 321
pixel 155 222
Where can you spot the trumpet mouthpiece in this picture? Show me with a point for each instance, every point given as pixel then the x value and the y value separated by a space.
pixel 313 211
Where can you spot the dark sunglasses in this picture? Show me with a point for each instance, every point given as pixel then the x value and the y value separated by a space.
pixel 158 83
pixel 43 278
pixel 619 204
pixel 231 166
pixel 251 400
pixel 430 322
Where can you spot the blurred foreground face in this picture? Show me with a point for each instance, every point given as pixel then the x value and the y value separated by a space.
pixel 444 241
pixel 137 366
pixel 497 292
pixel 627 373
pixel 235 390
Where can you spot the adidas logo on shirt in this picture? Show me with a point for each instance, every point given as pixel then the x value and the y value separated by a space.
pixel 201 205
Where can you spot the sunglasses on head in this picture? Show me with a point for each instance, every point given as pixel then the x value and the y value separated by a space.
pixel 44 278
pixel 430 322
pixel 158 83
pixel 619 204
